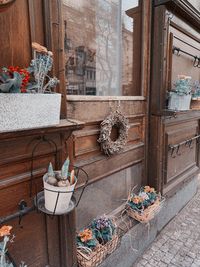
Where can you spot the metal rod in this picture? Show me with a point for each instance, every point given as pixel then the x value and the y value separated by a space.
pixel 184 142
pixel 185 52
pixel 186 43
pixel 16 215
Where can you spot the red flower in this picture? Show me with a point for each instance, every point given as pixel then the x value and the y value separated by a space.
pixel 25 75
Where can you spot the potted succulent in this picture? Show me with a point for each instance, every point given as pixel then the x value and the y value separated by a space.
pixel 26 96
pixel 58 188
pixel 180 96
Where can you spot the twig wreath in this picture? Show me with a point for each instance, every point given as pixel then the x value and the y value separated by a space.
pixel 118 120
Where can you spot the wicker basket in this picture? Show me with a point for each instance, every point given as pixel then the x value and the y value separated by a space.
pixel 97 256
pixel 148 214
pixel 111 245
pixel 93 259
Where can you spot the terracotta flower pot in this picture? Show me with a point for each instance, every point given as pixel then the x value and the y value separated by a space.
pixel 5 4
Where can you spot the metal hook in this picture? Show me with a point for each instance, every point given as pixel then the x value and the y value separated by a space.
pixel 172 152
pixel 198 66
pixel 196 62
pixel 190 144
pixel 22 206
pixel 118 106
pixel 177 150
pixel 176 49
pixel 187 142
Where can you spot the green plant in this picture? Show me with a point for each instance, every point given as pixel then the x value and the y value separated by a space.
pixel 183 85
pixel 10 81
pixel 104 229
pixel 34 79
pixel 86 239
pixel 5 233
pixel 62 178
pixel 146 197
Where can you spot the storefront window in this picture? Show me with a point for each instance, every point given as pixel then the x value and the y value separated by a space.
pixel 99 42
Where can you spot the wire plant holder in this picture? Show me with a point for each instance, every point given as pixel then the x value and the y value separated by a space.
pixel 39 199
pixel 59 195
pixel 146 215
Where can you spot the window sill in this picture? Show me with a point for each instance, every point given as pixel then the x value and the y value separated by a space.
pixel 79 98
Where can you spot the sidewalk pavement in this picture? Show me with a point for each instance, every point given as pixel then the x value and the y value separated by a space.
pixel 178 244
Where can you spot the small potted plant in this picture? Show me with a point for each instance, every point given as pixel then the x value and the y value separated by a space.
pixel 105 231
pixel 58 188
pixel 5 232
pixel 97 241
pixel 26 96
pixel 89 252
pixel 180 96
pixel 144 205
pixel 195 103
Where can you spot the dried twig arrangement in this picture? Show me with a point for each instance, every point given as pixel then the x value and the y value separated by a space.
pixel 118 120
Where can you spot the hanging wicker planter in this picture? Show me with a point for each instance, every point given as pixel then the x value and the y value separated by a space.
pixel 97 241
pixel 98 255
pixel 148 214
pixel 5 4
pixel 118 120
pixel 145 205
pixel 93 259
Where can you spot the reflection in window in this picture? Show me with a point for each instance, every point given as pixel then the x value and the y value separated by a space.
pixel 99 46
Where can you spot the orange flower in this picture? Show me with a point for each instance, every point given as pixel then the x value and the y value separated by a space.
pixel 39 48
pixel 5 230
pixel 147 189
pixel 85 235
pixel 136 199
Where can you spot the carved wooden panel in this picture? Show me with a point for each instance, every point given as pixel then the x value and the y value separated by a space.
pixel 183 159
pixel 86 149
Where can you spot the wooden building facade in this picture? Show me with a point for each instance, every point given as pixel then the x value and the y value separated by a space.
pixel 155 153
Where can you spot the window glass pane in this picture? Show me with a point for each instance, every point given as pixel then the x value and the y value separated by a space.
pixel 99 46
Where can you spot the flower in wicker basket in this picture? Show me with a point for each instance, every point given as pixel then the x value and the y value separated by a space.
pixel 144 205
pixel 89 252
pixel 96 242
pixel 105 232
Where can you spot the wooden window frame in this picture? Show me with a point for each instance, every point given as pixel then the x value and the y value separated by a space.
pixel 54 32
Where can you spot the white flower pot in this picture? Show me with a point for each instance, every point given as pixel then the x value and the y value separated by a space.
pixel 179 102
pixel 27 111
pixel 51 194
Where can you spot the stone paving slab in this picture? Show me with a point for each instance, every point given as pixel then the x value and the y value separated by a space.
pixel 178 244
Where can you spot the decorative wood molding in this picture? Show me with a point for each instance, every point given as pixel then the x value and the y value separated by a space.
pixel 183 8
pixel 55 42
